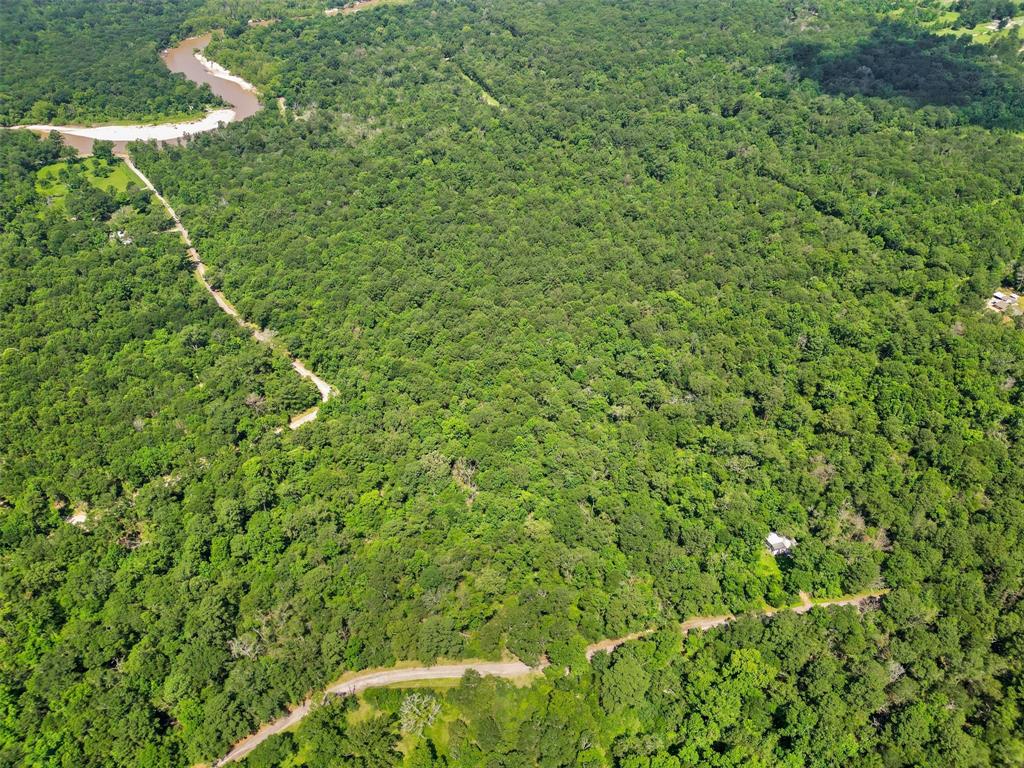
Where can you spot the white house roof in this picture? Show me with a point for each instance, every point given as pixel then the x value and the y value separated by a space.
pixel 778 542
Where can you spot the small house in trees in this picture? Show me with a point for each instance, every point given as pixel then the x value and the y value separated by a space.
pixel 779 544
pixel 1005 301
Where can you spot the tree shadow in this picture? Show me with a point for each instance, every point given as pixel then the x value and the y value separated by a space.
pixel 908 64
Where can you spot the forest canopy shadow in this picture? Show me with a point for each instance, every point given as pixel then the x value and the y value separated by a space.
pixel 904 62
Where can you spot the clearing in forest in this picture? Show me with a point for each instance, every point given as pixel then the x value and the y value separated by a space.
pixel 52 180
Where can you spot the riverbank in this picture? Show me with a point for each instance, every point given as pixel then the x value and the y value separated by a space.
pixel 152 132
pixel 186 58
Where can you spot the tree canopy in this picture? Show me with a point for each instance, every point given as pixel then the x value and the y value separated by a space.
pixel 609 292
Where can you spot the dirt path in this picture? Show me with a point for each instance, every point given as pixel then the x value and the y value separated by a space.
pixel 355 683
pixel 261 335
pixel 376 679
pixel 609 645
pixel 703 623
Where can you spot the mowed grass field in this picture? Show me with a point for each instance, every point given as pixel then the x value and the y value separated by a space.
pixel 985 32
pixel 52 180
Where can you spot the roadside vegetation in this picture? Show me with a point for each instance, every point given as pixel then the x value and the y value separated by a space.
pixel 713 269
pixel 731 697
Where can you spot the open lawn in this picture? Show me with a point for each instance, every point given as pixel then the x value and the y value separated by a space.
pixel 985 32
pixel 52 180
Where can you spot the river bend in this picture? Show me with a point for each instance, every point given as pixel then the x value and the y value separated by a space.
pixel 187 59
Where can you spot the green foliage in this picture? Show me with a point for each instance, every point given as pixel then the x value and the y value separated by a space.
pixel 790 691
pixel 689 283
pixel 122 385
pixel 78 61
pixel 959 81
pixel 974 12
pixel 623 683
pixel 103 150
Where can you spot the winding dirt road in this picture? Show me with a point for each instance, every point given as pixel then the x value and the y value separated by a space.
pixel 378 678
pixel 187 58
pixel 351 683
pixel 261 335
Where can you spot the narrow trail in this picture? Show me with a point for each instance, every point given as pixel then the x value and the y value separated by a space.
pixel 703 623
pixel 355 683
pixel 261 335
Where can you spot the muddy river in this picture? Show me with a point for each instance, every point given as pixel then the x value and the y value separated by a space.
pixel 187 59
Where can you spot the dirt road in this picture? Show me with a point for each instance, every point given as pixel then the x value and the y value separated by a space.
pixel 261 335
pixel 376 679
pixel 361 681
pixel 704 623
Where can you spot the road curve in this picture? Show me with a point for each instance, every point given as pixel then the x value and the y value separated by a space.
pixel 376 679
pixel 362 681
pixel 261 335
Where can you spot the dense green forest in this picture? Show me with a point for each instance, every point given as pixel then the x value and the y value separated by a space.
pixel 120 383
pixel 795 692
pixel 81 61
pixel 609 291
pixel 115 369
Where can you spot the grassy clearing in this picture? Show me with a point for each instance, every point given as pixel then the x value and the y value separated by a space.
pixel 49 184
pixel 983 33
pixel 438 732
pixel 52 180
pixel 439 729
pixel 485 96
